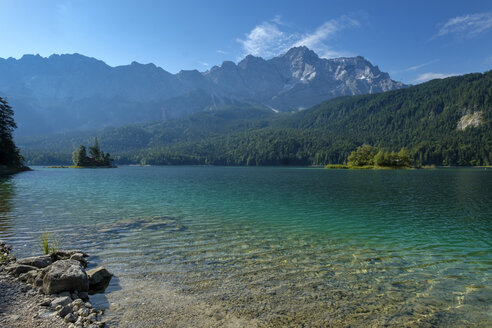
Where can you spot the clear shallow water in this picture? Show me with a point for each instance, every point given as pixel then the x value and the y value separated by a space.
pixel 222 246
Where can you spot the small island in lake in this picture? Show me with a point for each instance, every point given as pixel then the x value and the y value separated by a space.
pixel 96 157
pixel 369 157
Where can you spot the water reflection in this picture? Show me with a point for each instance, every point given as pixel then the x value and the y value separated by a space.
pixel 6 194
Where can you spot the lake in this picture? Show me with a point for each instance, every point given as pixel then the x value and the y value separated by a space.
pixel 269 247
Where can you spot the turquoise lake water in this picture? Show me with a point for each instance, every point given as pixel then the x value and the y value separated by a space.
pixel 269 247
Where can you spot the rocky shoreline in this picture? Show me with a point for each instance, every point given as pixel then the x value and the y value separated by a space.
pixel 49 291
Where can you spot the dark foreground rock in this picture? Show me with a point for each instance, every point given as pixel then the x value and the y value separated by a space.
pixel 48 291
pixel 99 279
pixel 20 306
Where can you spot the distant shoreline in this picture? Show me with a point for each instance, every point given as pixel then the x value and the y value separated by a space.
pixel 80 167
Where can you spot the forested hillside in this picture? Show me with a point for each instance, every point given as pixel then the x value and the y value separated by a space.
pixel 441 122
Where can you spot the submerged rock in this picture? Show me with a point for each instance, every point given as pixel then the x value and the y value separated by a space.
pixel 65 275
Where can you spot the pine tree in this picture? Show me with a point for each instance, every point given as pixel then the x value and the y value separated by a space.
pixel 9 153
pixel 95 152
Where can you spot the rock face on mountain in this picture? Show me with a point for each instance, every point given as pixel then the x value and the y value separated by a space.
pixel 67 92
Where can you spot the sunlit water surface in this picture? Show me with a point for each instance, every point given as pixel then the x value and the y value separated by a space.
pixel 269 247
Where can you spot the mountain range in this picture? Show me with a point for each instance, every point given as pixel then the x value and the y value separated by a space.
pixel 441 122
pixel 74 92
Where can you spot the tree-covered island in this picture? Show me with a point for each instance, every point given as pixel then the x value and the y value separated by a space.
pixel 369 157
pixel 96 157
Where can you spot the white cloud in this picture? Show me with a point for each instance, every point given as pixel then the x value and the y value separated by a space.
pixel 278 20
pixel 222 52
pixel 416 67
pixel 467 26
pixel 204 64
pixel 328 30
pixel 431 76
pixel 271 38
pixel 266 40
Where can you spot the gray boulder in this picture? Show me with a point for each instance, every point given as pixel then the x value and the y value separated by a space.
pixel 99 279
pixel 36 261
pixel 17 269
pixel 65 275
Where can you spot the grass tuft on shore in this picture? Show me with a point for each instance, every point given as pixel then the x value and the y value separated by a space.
pixel 48 246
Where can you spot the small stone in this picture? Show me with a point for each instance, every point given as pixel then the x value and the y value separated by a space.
pixel 88 305
pixel 91 317
pixel 77 256
pixel 78 302
pixel 45 314
pixel 79 322
pixel 24 276
pixel 14 317
pixel 66 294
pixel 46 302
pixel 70 318
pixel 83 312
pixel 84 295
pixel 60 301
pixel 65 254
pixel 64 311
pixel 58 307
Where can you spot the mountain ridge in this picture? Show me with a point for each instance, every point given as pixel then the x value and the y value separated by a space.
pixel 440 122
pixel 85 93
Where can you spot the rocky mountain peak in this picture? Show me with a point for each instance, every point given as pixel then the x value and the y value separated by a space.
pixel 300 53
pixel 92 94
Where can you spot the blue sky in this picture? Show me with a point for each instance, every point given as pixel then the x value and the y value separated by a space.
pixel 412 40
